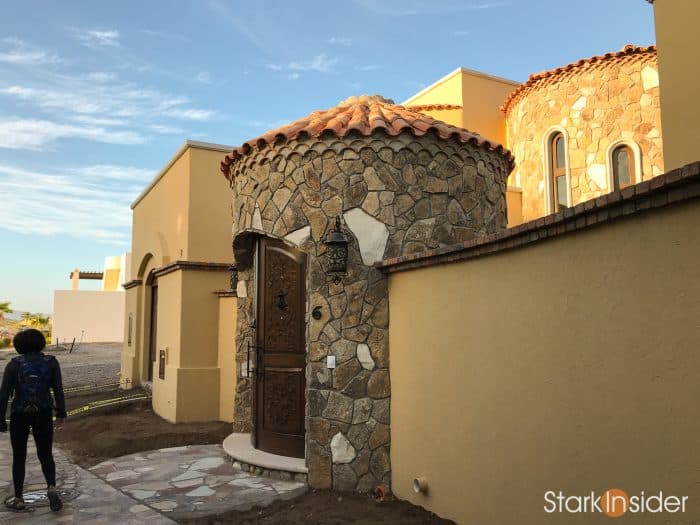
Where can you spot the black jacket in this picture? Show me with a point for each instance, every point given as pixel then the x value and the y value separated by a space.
pixel 11 376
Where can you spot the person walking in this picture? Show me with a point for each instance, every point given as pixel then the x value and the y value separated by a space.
pixel 29 378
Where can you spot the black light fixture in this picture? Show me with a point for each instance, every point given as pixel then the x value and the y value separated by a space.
pixel 337 252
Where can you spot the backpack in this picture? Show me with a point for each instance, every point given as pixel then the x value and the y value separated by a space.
pixel 34 380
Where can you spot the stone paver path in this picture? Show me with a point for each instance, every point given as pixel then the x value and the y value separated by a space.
pixel 150 487
pixel 192 481
pixel 90 500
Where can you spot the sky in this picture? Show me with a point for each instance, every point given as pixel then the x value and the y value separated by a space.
pixel 95 97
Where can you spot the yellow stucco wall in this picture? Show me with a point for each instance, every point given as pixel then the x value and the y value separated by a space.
pixel 183 215
pixel 568 365
pixel 227 356
pixel 514 206
pixel 480 96
pixel 188 329
pixel 209 237
pixel 130 375
pixel 160 218
pixel 678 42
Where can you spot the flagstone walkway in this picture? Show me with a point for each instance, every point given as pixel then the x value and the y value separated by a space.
pixel 192 481
pixel 150 487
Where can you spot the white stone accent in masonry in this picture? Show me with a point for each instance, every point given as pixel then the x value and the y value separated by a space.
pixel 241 289
pixel 364 356
pixel 650 78
pixel 257 219
pixel 297 237
pixel 341 449
pixel 579 104
pixel 371 234
pixel 597 173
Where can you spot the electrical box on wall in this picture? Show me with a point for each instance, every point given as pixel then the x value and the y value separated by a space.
pixel 330 361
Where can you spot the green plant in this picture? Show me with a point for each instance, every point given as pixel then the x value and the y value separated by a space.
pixel 5 309
pixel 5 342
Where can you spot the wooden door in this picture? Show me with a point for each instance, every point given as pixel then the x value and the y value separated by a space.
pixel 281 360
pixel 153 332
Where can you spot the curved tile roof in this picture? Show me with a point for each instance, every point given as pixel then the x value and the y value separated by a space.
pixel 363 115
pixel 594 62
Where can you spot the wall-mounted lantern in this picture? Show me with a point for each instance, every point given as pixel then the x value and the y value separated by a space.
pixel 337 252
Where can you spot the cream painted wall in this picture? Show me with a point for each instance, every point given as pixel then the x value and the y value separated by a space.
pixel 569 365
pixel 188 330
pixel 678 43
pixel 210 220
pixel 514 206
pixel 227 356
pixel 480 96
pixel 168 338
pixel 160 218
pixel 93 315
pixel 129 375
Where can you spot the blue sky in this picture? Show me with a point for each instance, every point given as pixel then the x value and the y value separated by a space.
pixel 96 96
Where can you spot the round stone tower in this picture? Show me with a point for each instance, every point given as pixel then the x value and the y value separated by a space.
pixel 400 182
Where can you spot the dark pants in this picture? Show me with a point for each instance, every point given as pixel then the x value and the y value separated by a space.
pixel 41 426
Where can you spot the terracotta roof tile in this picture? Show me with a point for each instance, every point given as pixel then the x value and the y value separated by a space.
pixel 594 62
pixel 363 115
pixel 433 107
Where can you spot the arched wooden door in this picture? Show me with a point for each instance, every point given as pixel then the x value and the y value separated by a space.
pixel 280 339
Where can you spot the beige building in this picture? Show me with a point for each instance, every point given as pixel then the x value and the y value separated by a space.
pixel 92 315
pixel 177 299
pixel 387 329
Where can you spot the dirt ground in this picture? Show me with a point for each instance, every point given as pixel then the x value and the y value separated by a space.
pixel 135 428
pixel 328 508
pixel 122 430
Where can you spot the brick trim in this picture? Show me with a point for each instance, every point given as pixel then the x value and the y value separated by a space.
pixel 132 284
pixel 191 265
pixel 673 187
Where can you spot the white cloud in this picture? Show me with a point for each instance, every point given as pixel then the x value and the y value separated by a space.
pixel 460 33
pixel 293 76
pixel 86 107
pixel 367 67
pixel 95 38
pixel 101 76
pixel 340 41
pixel 203 77
pixel 190 114
pixel 16 51
pixel 321 63
pixel 39 135
pixel 89 202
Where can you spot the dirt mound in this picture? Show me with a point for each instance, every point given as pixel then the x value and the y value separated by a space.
pixel 127 429
pixel 324 508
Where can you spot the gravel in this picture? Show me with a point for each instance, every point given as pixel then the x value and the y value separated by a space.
pixel 88 364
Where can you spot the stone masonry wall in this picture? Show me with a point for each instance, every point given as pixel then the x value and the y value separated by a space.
pixel 595 107
pixel 396 195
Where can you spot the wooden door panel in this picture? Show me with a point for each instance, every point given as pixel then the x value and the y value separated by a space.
pixel 280 380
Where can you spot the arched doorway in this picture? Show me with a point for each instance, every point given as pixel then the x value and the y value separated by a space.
pixel 280 378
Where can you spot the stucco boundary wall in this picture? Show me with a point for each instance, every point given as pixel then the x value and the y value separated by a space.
pixel 561 354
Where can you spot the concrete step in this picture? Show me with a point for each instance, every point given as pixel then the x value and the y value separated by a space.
pixel 240 449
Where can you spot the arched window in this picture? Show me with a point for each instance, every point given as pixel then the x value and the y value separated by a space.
pixel 560 191
pixel 623 167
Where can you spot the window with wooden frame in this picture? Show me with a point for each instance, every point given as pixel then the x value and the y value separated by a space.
pixel 560 190
pixel 623 167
